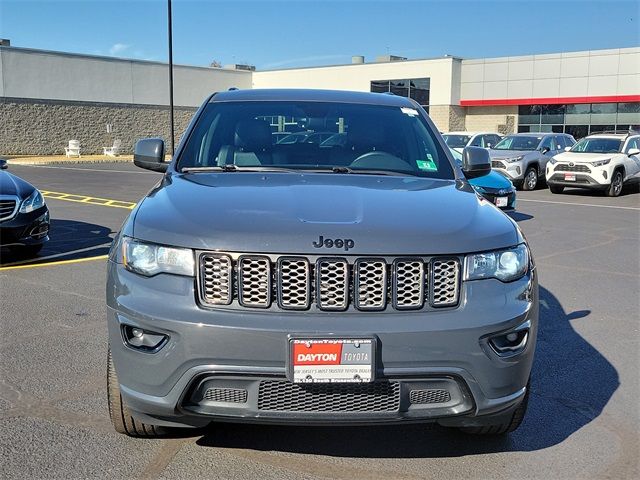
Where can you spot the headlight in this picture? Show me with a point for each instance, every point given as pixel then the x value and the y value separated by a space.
pixel 600 163
pixel 33 202
pixel 149 259
pixel 505 265
pixel 514 159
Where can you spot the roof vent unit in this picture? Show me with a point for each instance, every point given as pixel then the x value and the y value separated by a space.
pixel 240 66
pixel 390 58
pixel 357 59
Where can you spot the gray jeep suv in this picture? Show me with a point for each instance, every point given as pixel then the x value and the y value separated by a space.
pixel 522 157
pixel 356 283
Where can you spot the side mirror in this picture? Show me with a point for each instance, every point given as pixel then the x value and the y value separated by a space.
pixel 632 151
pixel 3 164
pixel 544 150
pixel 489 145
pixel 476 162
pixel 149 154
pixel 566 149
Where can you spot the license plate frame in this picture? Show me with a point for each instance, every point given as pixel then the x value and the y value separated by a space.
pixel 569 177
pixel 502 201
pixel 346 367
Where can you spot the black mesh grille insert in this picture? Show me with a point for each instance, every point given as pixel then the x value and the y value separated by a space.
pixel 276 395
pixel 429 396
pixel 229 395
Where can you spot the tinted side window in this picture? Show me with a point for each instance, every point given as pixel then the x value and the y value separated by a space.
pixel 476 142
pixel 547 142
pixel 561 141
pixel 633 143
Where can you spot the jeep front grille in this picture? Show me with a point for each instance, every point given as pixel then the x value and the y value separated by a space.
pixel 445 282
pixel 327 283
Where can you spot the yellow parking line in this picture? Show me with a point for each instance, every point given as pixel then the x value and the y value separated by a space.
pixel 105 202
pixel 61 262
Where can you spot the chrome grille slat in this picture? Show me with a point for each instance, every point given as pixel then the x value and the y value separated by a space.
pixel 254 281
pixel 216 279
pixel 370 284
pixel 445 277
pixel 565 167
pixel 410 282
pixel 8 206
pixel 294 283
pixel 332 283
pixel 328 283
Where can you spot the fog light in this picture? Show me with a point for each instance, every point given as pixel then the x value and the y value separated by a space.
pixel 604 174
pixel 144 340
pixel 518 170
pixel 511 343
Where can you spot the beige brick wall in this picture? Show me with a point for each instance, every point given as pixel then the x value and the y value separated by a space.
pixel 37 127
pixel 448 117
pixel 501 119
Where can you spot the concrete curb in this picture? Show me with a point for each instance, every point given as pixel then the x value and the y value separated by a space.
pixel 68 162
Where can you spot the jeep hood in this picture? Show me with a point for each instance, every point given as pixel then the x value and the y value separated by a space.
pixel 286 212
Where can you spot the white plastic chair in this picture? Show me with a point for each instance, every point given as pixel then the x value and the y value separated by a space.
pixel 73 150
pixel 114 150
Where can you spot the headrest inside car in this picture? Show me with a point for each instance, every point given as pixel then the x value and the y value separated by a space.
pixel 253 135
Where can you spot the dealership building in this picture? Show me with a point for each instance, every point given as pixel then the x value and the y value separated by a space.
pixel 48 98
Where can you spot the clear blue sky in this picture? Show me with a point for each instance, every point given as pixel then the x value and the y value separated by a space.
pixel 274 34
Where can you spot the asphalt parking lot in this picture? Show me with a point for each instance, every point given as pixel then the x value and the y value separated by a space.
pixel 583 420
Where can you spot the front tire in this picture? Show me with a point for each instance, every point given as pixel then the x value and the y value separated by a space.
pixel 530 179
pixel 556 188
pixel 504 427
pixel 121 419
pixel 616 184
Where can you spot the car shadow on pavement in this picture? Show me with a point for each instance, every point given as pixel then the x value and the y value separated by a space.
pixel 519 216
pixel 68 240
pixel 571 384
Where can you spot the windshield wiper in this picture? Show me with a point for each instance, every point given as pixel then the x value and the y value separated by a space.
pixel 235 168
pixel 365 171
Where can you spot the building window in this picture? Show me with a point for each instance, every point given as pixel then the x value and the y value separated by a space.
pixel 579 120
pixel 415 88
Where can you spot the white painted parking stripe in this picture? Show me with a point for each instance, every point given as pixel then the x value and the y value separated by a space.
pixel 56 255
pixel 579 204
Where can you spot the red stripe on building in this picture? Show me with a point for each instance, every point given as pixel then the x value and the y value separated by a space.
pixel 550 100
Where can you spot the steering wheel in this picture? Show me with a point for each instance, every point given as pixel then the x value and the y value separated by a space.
pixel 380 160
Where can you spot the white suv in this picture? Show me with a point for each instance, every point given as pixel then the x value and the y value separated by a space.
pixel 602 161
pixel 458 140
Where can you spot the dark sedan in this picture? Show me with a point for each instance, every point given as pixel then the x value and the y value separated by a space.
pixel 24 216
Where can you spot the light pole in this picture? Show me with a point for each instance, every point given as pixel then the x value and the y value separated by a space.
pixel 170 77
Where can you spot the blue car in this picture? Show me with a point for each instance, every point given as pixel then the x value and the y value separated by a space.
pixel 496 188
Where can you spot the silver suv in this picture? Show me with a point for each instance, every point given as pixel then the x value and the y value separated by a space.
pixel 522 157
pixel 357 283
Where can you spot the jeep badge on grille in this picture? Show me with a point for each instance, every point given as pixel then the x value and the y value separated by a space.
pixel 346 243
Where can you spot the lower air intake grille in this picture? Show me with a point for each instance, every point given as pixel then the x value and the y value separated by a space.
pixel 228 395
pixel 282 396
pixel 429 396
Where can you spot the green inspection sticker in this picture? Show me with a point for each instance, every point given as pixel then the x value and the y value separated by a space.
pixel 428 165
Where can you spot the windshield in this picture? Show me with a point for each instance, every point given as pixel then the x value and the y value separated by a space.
pixel 518 142
pixel 597 145
pixel 314 136
pixel 456 141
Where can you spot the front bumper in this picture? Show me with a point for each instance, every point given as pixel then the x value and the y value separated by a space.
pixel 229 351
pixel 26 229
pixel 513 171
pixel 493 196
